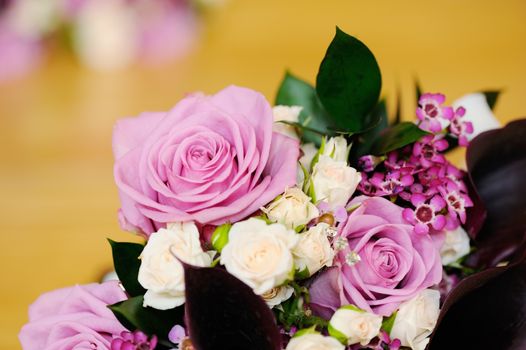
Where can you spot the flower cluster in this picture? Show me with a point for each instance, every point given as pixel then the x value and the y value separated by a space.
pixel 419 176
pixel 105 34
pixel 259 230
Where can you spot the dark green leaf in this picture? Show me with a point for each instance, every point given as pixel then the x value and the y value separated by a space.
pixel 349 83
pixel 398 112
pixel 395 137
pixel 296 92
pixel 362 143
pixel 491 97
pixel 126 262
pixel 418 91
pixel 151 321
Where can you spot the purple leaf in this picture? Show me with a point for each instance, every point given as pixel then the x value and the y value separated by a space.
pixel 496 163
pixel 485 311
pixel 224 313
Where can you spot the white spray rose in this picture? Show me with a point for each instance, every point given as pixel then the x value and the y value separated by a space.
pixel 292 209
pixel 478 113
pixel 334 182
pixel 161 273
pixel 337 149
pixel 287 114
pixel 259 254
pixel 33 18
pixel 416 319
pixel 313 250
pixel 314 341
pixel 104 36
pixel 456 245
pixel 358 326
pixel 277 295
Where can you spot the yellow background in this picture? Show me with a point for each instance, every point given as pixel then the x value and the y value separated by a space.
pixel 58 202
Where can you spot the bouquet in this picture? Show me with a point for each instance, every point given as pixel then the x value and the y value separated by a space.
pixel 320 223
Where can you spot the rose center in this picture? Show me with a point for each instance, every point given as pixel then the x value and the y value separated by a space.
pixel 424 213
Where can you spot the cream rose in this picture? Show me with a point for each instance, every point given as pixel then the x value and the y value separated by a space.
pixel 287 114
pixel 337 149
pixel 292 209
pixel 456 245
pixel 277 295
pixel 314 341
pixel 313 250
pixel 259 254
pixel 161 273
pixel 334 182
pixel 357 326
pixel 416 319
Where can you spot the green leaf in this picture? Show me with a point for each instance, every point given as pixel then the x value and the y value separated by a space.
pixel 349 83
pixel 398 112
pixel 296 92
pixel 491 97
pixel 418 90
pixel 126 262
pixel 395 137
pixel 220 236
pixel 388 322
pixel 133 315
pixel 302 274
pixel 363 142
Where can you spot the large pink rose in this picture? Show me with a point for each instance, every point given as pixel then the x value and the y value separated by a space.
pixel 384 264
pixel 211 159
pixel 73 318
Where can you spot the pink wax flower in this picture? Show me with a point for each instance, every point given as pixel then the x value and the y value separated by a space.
pixel 211 159
pixel 73 318
pixel 383 264
pixel 431 113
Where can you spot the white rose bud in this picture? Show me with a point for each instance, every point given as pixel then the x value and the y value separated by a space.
pixel 456 245
pixel 309 152
pixel 478 113
pixel 313 250
pixel 416 319
pixel 292 209
pixel 314 341
pixel 337 149
pixel 277 295
pixel 287 114
pixel 161 273
pixel 334 182
pixel 357 326
pixel 259 254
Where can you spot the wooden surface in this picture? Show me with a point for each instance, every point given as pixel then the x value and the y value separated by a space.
pixel 58 202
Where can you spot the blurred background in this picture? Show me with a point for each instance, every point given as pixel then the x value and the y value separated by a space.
pixel 70 68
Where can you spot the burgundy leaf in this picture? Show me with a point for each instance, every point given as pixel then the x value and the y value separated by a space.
pixel 485 311
pixel 224 313
pixel 496 163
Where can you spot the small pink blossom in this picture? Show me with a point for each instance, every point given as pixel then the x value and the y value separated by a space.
pixel 431 113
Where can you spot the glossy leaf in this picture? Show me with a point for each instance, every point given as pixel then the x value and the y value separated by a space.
pixel 491 97
pixel 296 92
pixel 496 163
pixel 362 143
pixel 349 83
pixel 395 137
pixel 133 315
pixel 224 313
pixel 126 263
pixel 485 311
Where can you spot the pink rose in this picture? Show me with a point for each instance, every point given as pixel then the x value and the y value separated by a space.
pixel 73 318
pixel 211 159
pixel 384 264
